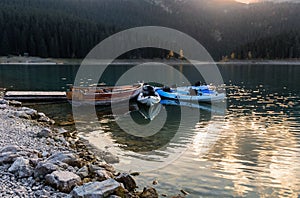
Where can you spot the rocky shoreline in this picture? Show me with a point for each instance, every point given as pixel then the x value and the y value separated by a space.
pixel 39 160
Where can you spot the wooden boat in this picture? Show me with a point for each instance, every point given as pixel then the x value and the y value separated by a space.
pixel 103 95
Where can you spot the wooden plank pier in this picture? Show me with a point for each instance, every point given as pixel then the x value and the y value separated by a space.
pixel 36 95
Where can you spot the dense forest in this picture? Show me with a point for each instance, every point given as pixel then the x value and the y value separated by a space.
pixel 71 28
pixel 282 46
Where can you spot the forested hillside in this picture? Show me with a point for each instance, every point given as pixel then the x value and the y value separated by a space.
pixel 282 46
pixel 70 28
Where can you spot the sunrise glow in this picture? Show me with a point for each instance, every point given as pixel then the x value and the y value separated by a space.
pixel 247 1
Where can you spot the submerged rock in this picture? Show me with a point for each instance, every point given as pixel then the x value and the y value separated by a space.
pixel 63 180
pixel 66 123
pixel 114 196
pixel 127 181
pixel 110 158
pixel 96 189
pixel 21 168
pixel 149 193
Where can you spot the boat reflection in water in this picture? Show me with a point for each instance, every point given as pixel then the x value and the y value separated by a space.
pixel 202 106
pixel 149 112
pixel 142 137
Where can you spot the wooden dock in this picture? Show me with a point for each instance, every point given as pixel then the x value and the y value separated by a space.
pixel 36 95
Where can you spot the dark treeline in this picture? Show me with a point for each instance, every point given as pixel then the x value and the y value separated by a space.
pixel 47 34
pixel 70 28
pixel 285 45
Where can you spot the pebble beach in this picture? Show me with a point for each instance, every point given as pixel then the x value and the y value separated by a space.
pixel 40 160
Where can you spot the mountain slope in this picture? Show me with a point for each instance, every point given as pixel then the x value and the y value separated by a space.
pixel 70 28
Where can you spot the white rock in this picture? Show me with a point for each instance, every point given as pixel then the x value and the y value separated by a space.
pixel 96 189
pixel 63 180
pixel 21 168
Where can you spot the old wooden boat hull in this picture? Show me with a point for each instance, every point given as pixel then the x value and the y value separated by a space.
pixel 103 95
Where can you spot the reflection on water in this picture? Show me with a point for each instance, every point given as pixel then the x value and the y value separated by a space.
pixel 253 151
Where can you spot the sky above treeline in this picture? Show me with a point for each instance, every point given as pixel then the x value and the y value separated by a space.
pixel 256 1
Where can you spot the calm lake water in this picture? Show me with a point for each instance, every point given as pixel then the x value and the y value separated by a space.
pixel 253 150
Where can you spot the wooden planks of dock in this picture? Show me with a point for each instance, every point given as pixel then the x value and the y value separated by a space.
pixel 36 95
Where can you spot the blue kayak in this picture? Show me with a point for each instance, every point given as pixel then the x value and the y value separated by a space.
pixel 191 93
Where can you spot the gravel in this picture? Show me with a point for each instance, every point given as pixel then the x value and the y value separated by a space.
pixel 23 133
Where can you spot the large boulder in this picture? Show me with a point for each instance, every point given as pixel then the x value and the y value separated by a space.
pixel 44 168
pixel 21 168
pixel 127 181
pixel 99 172
pixel 96 189
pixel 65 157
pixel 8 154
pixel 8 157
pixel 63 180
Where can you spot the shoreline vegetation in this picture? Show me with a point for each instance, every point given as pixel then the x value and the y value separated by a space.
pixel 38 159
pixel 21 60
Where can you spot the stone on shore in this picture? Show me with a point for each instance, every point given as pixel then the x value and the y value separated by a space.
pixel 65 157
pixel 83 172
pixel 15 103
pixel 44 168
pixel 100 173
pixel 96 189
pixel 45 132
pixel 3 106
pixel 2 101
pixel 22 114
pixel 44 119
pixel 32 113
pixel 21 168
pixel 127 181
pixel 8 157
pixel 63 180
pixel 10 148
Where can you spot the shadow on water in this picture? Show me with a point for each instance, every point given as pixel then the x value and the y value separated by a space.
pixel 106 125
